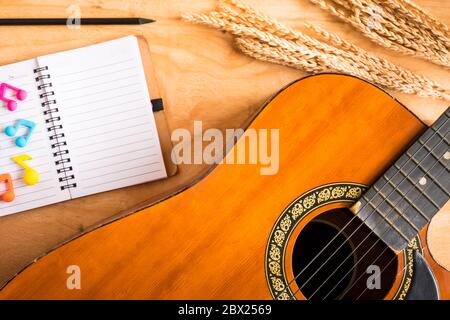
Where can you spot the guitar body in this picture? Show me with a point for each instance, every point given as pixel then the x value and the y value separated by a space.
pixel 237 234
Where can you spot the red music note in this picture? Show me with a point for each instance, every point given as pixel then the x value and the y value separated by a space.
pixel 11 104
pixel 8 195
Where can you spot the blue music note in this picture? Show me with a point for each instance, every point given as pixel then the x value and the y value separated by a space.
pixel 22 141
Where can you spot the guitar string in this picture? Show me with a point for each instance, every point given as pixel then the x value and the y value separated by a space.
pixel 384 269
pixel 395 257
pixel 376 242
pixel 352 221
pixel 356 281
pixel 387 265
pixel 355 217
pixel 391 210
pixel 379 239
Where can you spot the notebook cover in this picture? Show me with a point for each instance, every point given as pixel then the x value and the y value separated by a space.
pixel 124 200
pixel 160 117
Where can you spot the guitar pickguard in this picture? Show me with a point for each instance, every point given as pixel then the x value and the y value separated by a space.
pixel 424 285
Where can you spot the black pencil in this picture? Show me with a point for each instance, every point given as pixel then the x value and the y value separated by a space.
pixel 63 21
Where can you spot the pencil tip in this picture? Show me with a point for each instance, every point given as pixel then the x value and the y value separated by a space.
pixel 144 21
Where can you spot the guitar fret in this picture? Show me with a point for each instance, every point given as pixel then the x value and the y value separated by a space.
pixel 442 129
pixel 375 208
pixel 440 135
pixel 397 195
pixel 413 214
pixel 441 121
pixel 427 172
pixel 430 152
pixel 379 226
pixel 412 190
pixel 414 185
pixel 389 191
pixel 407 200
pixel 401 214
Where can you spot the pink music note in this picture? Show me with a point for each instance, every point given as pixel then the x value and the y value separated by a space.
pixel 11 104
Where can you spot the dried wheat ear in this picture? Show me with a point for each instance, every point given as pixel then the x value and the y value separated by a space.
pixel 398 25
pixel 263 38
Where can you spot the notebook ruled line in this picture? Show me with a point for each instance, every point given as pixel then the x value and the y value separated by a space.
pixel 107 132
pixel 110 148
pixel 84 113
pixel 95 68
pixel 30 201
pixel 118 171
pixel 97 142
pixel 105 91
pixel 15 78
pixel 98 76
pixel 101 100
pixel 24 113
pixel 25 103
pixel 4 163
pixel 121 162
pixel 19 85
pixel 121 179
pixel 35 166
pixel 117 155
pixel 99 84
pixel 36 191
pixel 110 123
pixel 28 151
pixel 21 186
pixel 106 115
pixel 42 173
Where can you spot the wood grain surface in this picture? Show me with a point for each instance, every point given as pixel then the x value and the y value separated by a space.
pixel 202 77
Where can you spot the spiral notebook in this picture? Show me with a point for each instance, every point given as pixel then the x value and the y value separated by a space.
pixel 95 129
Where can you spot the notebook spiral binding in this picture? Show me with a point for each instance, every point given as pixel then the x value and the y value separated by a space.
pixel 57 138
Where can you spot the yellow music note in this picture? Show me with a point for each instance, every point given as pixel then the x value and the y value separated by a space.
pixel 31 176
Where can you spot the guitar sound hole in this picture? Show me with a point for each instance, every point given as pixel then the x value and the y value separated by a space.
pixel 344 268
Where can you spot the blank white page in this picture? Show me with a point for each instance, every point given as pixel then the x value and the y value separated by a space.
pixel 47 191
pixel 105 108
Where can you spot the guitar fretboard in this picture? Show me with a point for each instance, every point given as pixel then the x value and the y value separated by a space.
pixel 411 191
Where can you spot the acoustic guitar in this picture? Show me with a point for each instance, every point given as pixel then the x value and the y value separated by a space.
pixel 346 216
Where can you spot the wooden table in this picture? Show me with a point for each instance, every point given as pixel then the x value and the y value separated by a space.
pixel 202 76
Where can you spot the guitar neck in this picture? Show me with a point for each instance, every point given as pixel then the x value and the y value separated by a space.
pixel 411 191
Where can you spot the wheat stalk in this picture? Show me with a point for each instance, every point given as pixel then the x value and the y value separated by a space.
pixel 395 24
pixel 263 38
pixel 250 17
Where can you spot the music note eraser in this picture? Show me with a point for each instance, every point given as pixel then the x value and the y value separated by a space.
pixel 22 141
pixel 8 195
pixel 20 94
pixel 31 176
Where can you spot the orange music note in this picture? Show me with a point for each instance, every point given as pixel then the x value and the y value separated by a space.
pixel 9 195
